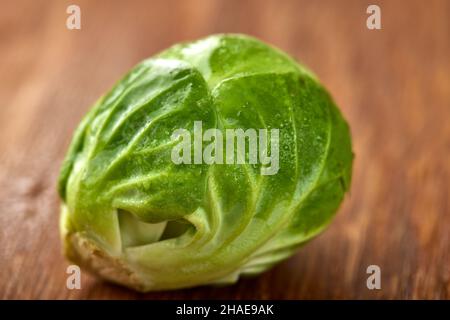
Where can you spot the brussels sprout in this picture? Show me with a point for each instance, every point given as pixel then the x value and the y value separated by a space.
pixel 133 216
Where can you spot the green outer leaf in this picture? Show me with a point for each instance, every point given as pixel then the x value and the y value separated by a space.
pixel 208 223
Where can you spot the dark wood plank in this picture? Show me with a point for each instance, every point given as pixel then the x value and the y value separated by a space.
pixel 393 85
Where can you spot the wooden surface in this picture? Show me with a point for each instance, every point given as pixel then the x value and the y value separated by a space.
pixel 393 86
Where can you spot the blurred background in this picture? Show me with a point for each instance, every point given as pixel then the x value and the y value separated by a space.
pixel 392 85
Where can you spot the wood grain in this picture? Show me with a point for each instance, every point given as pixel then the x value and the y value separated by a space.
pixel 393 86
